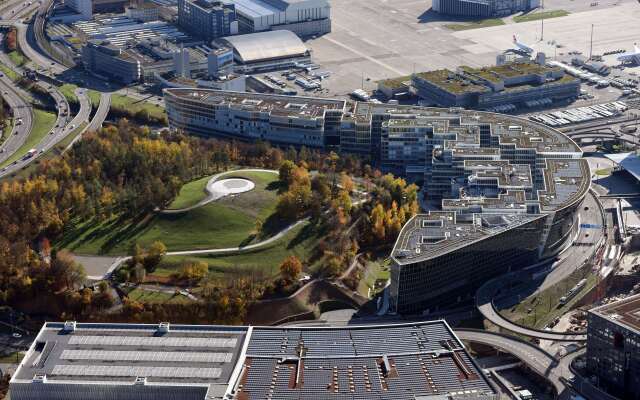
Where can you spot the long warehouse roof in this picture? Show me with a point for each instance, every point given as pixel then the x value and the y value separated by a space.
pixel 266 45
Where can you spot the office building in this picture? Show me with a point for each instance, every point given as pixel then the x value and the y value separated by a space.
pixel 89 7
pixel 483 8
pixel 181 63
pixel 143 11
pixel 220 62
pixel 510 190
pixel 502 87
pixel 83 7
pixel 302 17
pixel 613 347
pixel 104 59
pixel 207 19
pixel 423 360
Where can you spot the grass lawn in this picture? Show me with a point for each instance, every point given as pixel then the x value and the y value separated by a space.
pixel 12 358
pixel 94 96
pixel 604 171
pixel 228 222
pixel 133 105
pixel 190 194
pixel 17 58
pixel 68 91
pixel 377 270
pixel 43 121
pixel 6 131
pixel 540 15
pixel 13 75
pixel 265 261
pixel 483 23
pixel 150 296
pixel 544 305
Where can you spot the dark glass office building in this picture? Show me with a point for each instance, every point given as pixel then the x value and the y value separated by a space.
pixel 207 19
pixel 613 347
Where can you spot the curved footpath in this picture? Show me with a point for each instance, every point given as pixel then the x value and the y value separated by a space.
pixel 211 194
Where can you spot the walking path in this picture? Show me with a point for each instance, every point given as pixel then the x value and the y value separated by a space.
pixel 213 192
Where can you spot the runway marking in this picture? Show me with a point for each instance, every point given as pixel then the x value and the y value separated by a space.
pixel 368 57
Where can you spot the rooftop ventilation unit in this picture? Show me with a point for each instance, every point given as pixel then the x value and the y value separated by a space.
pixel 69 326
pixel 140 380
pixel 39 378
pixel 163 327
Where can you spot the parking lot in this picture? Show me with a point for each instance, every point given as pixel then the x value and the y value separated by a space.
pixel 378 39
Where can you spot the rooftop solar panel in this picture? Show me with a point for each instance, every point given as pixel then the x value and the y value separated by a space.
pixel 129 371
pixel 158 356
pixel 152 341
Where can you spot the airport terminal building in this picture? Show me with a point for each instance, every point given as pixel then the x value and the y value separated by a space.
pixel 422 360
pixel 483 8
pixel 509 189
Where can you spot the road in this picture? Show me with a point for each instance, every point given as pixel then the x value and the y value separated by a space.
pixel 98 118
pixel 59 132
pixel 585 245
pixel 21 111
pixel 537 359
pixel 484 303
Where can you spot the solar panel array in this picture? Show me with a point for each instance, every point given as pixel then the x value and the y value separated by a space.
pixel 359 379
pixel 131 371
pixel 350 342
pixel 346 364
pixel 152 356
pixel 152 341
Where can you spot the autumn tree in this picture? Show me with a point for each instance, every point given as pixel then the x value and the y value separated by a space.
pixel 290 268
pixel 285 172
pixel 154 255
pixel 66 271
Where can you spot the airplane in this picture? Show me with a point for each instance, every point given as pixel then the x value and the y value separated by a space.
pixel 631 56
pixel 522 46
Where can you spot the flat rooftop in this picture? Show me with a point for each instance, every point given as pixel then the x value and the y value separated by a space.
pixel 427 236
pixel 294 106
pixel 121 352
pixel 625 312
pixel 399 361
pixel 366 362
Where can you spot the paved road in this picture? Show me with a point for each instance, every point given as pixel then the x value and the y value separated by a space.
pixel 60 131
pixel 21 111
pixel 570 259
pixel 485 305
pixel 97 120
pixel 537 359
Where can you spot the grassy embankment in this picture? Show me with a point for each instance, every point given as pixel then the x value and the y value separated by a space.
pixel 228 222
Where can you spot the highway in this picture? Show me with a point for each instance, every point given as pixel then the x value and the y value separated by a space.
pixel 21 111
pixel 59 132
pixel 98 118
